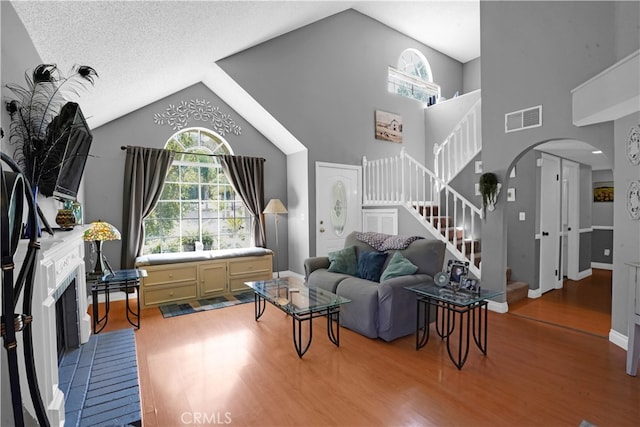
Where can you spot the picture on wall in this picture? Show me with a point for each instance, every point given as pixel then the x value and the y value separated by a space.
pixel 388 126
pixel 603 191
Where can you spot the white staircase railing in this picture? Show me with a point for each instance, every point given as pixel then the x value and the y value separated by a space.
pixel 402 180
pixel 460 147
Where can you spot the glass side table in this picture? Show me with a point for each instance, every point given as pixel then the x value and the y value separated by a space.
pixel 127 281
pixel 449 305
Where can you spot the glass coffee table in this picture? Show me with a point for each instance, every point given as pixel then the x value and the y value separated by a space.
pixel 302 304
pixel 449 304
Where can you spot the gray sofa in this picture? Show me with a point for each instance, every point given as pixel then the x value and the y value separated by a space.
pixel 379 310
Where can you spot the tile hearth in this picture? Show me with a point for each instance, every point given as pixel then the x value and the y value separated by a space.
pixel 100 381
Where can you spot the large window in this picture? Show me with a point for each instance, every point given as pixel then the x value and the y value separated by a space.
pixel 412 78
pixel 198 204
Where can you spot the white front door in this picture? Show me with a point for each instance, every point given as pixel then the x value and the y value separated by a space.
pixel 338 205
pixel 549 223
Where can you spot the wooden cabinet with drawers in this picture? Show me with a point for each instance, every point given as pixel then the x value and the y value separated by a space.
pixel 184 281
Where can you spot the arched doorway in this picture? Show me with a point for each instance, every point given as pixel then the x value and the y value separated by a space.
pixel 566 230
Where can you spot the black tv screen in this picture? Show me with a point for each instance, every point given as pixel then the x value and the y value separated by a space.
pixel 64 178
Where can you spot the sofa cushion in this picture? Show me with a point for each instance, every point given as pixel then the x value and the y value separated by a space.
pixel 370 265
pixel 325 279
pixel 361 314
pixel 398 266
pixel 344 261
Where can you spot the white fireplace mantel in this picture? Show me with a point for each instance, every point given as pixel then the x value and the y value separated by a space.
pixel 60 256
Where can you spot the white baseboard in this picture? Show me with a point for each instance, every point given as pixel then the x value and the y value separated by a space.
pixel 618 339
pixel 498 307
pixel 534 293
pixel 602 265
pixel 584 274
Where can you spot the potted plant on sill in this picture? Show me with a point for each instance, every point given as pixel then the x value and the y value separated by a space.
pixel 489 189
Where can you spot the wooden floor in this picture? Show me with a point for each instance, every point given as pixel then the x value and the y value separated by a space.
pixel 583 305
pixel 223 366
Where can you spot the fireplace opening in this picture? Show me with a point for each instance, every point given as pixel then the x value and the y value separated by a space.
pixel 67 327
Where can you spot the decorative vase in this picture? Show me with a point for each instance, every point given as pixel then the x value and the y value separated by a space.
pixel 66 219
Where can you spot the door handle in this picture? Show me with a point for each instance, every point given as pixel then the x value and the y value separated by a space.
pixel 544 233
pixel 569 229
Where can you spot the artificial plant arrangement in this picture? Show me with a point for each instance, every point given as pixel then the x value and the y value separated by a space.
pixel 489 189
pixel 40 115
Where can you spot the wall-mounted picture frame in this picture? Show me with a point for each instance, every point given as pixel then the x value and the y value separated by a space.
pixel 603 192
pixel 388 126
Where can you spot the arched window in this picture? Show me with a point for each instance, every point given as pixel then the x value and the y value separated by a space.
pixel 198 204
pixel 413 78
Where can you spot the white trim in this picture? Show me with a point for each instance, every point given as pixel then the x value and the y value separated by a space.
pixel 602 266
pixel 584 273
pixel 602 227
pixel 608 70
pixel 585 230
pixel 534 293
pixel 498 307
pixel 618 339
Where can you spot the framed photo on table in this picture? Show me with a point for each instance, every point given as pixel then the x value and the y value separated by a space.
pixel 458 270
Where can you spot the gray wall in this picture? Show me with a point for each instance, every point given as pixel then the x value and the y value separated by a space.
pixel 521 242
pixel 104 175
pixel 626 234
pixel 471 76
pixel 517 39
pixel 324 82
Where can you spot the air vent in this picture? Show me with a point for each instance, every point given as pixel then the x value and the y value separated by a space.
pixel 523 119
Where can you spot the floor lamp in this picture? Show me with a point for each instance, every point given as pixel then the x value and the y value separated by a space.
pixel 275 207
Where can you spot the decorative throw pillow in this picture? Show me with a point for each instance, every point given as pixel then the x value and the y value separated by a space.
pixel 344 261
pixel 398 266
pixel 370 265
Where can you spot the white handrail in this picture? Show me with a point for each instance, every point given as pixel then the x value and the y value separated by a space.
pixel 460 146
pixel 402 180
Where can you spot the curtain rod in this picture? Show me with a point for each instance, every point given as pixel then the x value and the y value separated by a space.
pixel 124 148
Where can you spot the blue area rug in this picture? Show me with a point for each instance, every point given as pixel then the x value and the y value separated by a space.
pixel 172 310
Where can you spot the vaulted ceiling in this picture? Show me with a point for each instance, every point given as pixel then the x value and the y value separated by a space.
pixel 154 48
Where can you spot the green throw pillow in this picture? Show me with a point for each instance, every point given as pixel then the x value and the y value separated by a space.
pixel 398 266
pixel 344 261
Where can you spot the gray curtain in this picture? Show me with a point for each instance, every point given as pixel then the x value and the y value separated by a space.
pixel 145 171
pixel 246 174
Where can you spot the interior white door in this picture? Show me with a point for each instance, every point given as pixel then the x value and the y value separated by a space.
pixel 338 205
pixel 549 223
pixel 571 218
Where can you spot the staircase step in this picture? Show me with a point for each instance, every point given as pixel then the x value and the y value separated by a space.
pixel 427 210
pixel 517 291
pixel 468 244
pixel 444 221
pixel 449 232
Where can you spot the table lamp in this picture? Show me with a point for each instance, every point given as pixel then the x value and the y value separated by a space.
pixel 98 232
pixel 275 207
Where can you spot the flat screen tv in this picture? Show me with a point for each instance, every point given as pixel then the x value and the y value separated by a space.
pixel 63 177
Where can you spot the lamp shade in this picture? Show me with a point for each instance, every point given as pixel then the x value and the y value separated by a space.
pixel 275 206
pixel 101 231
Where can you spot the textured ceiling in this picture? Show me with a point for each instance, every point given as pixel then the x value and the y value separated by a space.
pixel 155 48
